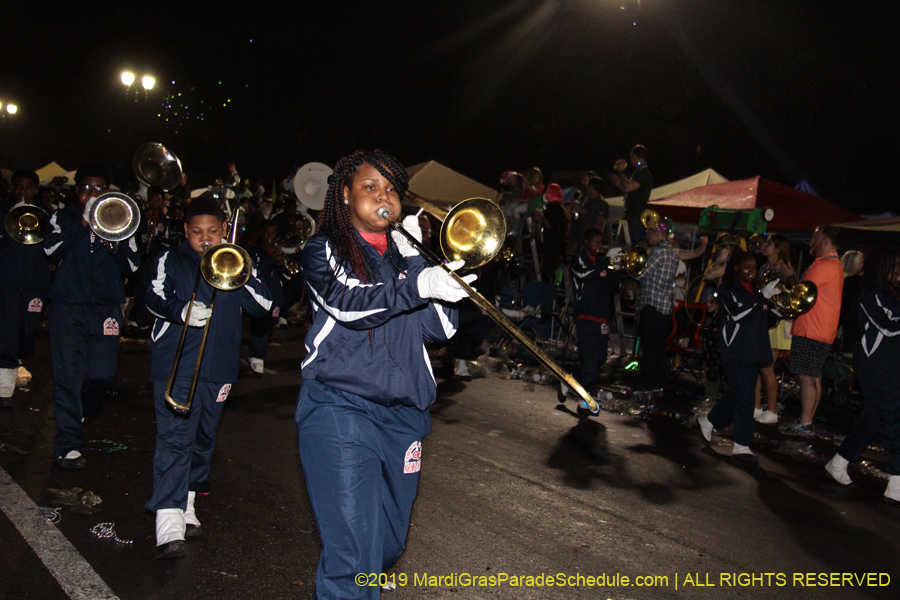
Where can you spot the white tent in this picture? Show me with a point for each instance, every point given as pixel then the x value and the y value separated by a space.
pixel 51 170
pixel 443 186
pixel 703 178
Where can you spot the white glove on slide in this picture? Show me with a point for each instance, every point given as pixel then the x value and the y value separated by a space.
pixel 435 282
pixel 769 289
pixel 199 314
pixel 410 224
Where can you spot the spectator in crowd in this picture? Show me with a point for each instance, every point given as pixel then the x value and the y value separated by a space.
pixel 233 178
pixel 534 184
pixel 657 300
pixel 636 189
pixel 814 332
pixel 550 226
pixel 852 263
pixel 777 253
pixel 589 212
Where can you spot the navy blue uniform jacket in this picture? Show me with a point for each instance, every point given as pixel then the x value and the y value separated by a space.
pixel 878 351
pixel 593 285
pixel 22 266
pixel 173 275
pixel 368 338
pixel 745 322
pixel 270 273
pixel 87 272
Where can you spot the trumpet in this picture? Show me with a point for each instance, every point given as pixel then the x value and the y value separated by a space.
pixel 800 298
pixel 473 231
pixel 114 217
pixel 226 267
pixel 292 266
pixel 27 224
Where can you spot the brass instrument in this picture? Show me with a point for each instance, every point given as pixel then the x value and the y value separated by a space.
pixel 800 298
pixel 473 231
pixel 650 220
pixel 154 164
pixel 27 224
pixel 755 242
pixel 292 266
pixel 114 217
pixel 296 238
pixel 225 266
pixel 634 262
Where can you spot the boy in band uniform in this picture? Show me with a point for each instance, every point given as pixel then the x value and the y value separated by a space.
pixel 85 316
pixel 26 282
pixel 185 443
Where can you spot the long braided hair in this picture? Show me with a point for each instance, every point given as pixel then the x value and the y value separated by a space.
pixel 335 219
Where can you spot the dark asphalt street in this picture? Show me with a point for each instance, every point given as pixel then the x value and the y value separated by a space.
pixel 512 486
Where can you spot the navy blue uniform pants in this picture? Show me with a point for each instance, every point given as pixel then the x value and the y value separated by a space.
pixel 881 414
pixel 653 329
pixel 593 341
pixel 261 329
pixel 736 405
pixel 84 348
pixel 361 462
pixel 184 443
pixel 20 315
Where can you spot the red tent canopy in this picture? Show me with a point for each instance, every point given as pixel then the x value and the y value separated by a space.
pixel 794 210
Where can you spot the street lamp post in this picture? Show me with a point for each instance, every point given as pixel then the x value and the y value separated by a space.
pixel 147 83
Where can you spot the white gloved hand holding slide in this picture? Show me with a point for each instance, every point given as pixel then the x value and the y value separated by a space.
pixel 199 314
pixel 435 282
pixel 770 289
pixel 410 224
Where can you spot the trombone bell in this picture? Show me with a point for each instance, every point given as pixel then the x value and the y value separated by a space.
pixel 226 267
pixel 473 231
pixel 26 224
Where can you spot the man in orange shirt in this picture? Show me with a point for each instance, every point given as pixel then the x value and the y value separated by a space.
pixel 814 332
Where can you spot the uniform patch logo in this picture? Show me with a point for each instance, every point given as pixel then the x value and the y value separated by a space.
pixel 604 328
pixel 35 305
pixel 223 393
pixel 603 273
pixel 402 275
pixel 276 312
pixel 110 327
pixel 413 461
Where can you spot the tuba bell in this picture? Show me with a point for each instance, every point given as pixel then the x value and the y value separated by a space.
pixel 794 300
pixel 27 224
pixel 154 164
pixel 650 219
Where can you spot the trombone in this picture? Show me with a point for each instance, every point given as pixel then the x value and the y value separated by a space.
pixel 473 231
pixel 27 224
pixel 225 266
pixel 114 217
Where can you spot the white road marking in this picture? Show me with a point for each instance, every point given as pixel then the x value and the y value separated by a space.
pixel 73 573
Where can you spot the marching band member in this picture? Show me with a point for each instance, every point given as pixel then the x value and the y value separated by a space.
pixel 265 256
pixel 26 283
pixel 744 345
pixel 367 379
pixel 185 443
pixel 875 359
pixel 86 315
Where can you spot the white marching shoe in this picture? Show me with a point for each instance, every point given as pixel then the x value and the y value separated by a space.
pixel 191 522
pixel 837 468
pixel 170 533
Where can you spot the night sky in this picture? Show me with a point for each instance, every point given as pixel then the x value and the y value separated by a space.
pixel 788 90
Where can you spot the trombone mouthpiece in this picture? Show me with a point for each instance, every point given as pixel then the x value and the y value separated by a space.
pixel 205 246
pixel 384 213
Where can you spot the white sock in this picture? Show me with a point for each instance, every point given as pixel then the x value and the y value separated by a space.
pixel 257 365
pixel 563 388
pixel 739 449
pixel 190 515
pixel 461 369
pixel 8 382
pixel 169 525
pixel 892 490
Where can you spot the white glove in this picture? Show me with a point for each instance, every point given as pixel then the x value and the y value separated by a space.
pixel 770 289
pixel 777 313
pixel 410 224
pixel 199 314
pixel 435 282
pixel 612 253
pixel 87 209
